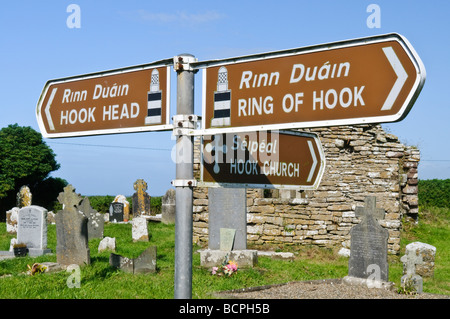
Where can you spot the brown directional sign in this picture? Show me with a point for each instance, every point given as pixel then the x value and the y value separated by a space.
pixel 125 100
pixel 263 159
pixel 369 80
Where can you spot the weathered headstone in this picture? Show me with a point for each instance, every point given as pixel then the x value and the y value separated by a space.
pixel 368 244
pixel 71 231
pixel 96 222
pixel 145 263
pixel 410 279
pixel 11 220
pixel 227 209
pixel 424 251
pixel 139 229
pixel 107 243
pixel 116 212
pixel 32 229
pixel 126 206
pixel 24 197
pixel 141 200
pixel 168 207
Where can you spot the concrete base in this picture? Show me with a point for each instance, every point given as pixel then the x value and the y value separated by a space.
pixel 214 258
pixel 369 283
pixel 32 252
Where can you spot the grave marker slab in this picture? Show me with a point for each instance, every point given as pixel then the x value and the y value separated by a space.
pixel 227 238
pixel 368 244
pixel 139 229
pixel 71 231
pixel 168 207
pixel 32 229
pixel 96 222
pixel 227 209
pixel 141 200
pixel 116 212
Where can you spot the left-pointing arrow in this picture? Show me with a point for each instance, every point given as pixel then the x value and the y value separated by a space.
pixel 47 110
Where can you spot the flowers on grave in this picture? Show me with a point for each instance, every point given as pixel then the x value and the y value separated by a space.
pixel 227 269
pixel 36 269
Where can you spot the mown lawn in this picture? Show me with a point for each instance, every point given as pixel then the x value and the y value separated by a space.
pixel 99 280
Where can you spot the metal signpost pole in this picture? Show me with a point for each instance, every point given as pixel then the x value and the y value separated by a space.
pixel 184 182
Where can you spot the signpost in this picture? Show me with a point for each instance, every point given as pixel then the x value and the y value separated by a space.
pixel 132 99
pixel 369 80
pixel 290 160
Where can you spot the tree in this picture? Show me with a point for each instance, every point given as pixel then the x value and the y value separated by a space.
pixel 25 159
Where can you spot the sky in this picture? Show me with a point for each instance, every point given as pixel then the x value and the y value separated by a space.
pixel 42 40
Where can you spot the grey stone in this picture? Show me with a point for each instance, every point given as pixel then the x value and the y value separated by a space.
pixel 368 244
pixel 227 209
pixel 32 229
pixel 141 199
pixel 145 263
pixel 11 220
pixel 71 231
pixel 168 207
pixel 96 222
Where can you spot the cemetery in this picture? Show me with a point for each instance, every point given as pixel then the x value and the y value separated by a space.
pixel 132 251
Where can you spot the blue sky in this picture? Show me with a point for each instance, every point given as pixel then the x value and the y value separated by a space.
pixel 37 45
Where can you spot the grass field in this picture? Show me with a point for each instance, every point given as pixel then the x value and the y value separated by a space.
pixel 99 280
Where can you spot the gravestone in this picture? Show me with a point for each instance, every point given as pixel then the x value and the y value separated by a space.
pixel 139 229
pixel 11 220
pixel 227 209
pixel 116 212
pixel 368 244
pixel 126 206
pixel 410 278
pixel 168 207
pixel 32 229
pixel 71 231
pixel 96 221
pixel 141 200
pixel 145 263
pixel 426 252
pixel 227 215
pixel 24 197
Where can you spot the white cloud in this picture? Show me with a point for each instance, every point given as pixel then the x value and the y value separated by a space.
pixel 180 17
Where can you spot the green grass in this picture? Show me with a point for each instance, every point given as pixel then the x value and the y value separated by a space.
pixel 99 280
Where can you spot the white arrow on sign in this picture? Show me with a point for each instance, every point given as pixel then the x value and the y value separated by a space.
pixel 313 155
pixel 401 77
pixel 47 109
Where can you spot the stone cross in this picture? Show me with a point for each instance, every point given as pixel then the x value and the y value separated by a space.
pixel 370 209
pixel 71 231
pixel 411 259
pixel 141 200
pixel 69 199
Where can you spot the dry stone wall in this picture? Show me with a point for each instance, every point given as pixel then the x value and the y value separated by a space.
pixel 361 160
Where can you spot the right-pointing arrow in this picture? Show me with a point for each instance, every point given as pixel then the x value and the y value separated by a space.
pixel 313 167
pixel 401 77
pixel 47 109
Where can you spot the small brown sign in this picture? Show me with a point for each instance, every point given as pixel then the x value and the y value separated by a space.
pixel 119 101
pixel 262 159
pixel 368 80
